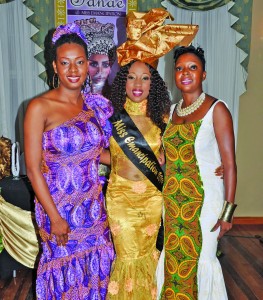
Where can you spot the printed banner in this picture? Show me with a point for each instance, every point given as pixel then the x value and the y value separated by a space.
pixel 102 11
pixel 94 14
pixel 114 8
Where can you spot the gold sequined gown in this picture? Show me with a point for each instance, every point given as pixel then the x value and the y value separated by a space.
pixel 134 208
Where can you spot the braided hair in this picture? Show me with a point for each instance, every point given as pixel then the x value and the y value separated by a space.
pixel 158 104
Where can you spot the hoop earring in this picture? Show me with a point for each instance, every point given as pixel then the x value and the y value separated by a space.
pixel 55 81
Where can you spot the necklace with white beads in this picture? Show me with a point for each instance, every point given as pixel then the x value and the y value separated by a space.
pixel 182 112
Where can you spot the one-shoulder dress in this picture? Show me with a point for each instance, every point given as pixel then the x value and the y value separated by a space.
pixel 193 200
pixel 70 160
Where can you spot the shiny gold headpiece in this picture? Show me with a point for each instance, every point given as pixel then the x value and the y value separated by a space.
pixel 148 39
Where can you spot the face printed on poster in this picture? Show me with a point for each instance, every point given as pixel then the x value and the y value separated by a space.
pixel 105 30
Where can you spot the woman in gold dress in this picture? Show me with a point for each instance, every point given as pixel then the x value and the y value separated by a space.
pixel 134 203
pixel 134 200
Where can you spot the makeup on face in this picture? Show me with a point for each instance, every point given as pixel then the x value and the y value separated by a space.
pixel 138 82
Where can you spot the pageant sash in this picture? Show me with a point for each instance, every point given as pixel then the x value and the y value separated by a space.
pixel 136 148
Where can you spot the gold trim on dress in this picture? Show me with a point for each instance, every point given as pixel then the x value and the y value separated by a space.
pixel 136 108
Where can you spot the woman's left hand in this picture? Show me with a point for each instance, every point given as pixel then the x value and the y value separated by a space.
pixel 224 227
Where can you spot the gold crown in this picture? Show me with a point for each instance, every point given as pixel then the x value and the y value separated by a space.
pixel 148 39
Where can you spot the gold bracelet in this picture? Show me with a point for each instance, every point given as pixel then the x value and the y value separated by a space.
pixel 227 211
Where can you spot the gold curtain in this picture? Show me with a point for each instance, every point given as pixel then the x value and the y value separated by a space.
pixel 18 233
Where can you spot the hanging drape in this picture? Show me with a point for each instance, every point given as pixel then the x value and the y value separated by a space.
pixel 242 10
pixel 18 233
pixel 43 18
pixel 19 70
pixel 18 77
pixel 199 5
pixel 228 63
pixel 225 76
pixel 5 1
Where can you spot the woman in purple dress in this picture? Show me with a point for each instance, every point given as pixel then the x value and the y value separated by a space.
pixel 65 132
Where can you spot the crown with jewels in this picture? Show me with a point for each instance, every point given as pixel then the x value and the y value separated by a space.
pixel 99 37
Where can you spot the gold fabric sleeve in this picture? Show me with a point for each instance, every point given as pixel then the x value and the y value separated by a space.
pixel 18 233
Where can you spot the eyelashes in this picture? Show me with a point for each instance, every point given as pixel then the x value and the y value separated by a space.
pixel 96 65
pixel 192 67
pixel 77 62
pixel 145 78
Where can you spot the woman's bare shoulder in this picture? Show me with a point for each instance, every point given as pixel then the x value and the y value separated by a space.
pixel 219 105
pixel 221 108
pixel 42 102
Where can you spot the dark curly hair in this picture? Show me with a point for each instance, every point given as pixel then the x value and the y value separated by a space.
pixel 199 52
pixel 158 105
pixel 50 52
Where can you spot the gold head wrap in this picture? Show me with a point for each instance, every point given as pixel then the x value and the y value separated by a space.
pixel 148 39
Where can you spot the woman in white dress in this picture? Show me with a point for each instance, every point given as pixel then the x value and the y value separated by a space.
pixel 198 204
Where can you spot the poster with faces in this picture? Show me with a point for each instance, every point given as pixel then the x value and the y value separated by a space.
pixel 99 17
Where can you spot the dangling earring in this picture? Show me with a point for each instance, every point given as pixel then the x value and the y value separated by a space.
pixel 85 86
pixel 55 81
pixel 89 82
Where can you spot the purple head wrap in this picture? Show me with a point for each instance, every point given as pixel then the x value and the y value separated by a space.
pixel 68 29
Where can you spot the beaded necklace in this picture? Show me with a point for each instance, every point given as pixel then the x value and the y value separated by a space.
pixel 182 112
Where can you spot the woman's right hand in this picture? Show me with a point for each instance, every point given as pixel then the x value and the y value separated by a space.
pixel 224 228
pixel 60 229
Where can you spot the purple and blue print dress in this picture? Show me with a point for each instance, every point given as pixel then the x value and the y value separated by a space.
pixel 70 160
